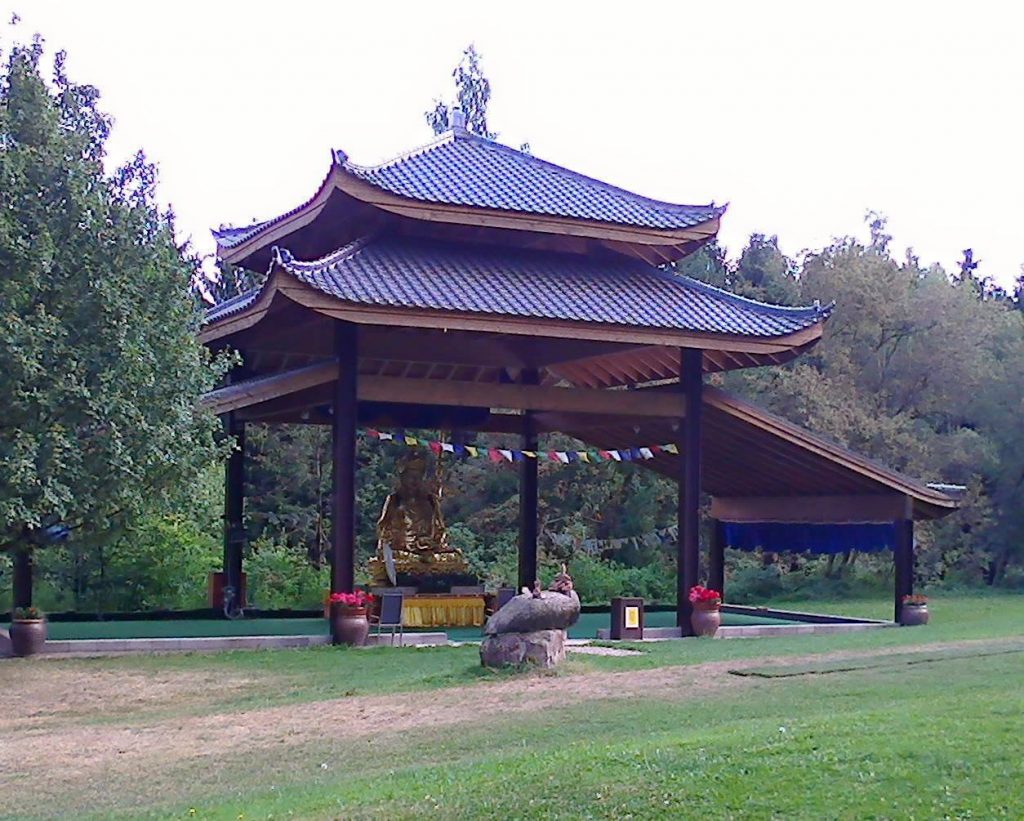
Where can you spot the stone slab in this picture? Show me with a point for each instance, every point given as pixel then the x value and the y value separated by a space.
pixel 199 644
pixel 765 630
pixel 408 640
pixel 758 630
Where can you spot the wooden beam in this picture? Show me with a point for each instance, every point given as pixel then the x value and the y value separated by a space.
pixel 691 378
pixel 809 509
pixel 521 397
pixel 23 562
pixel 343 436
pixel 445 392
pixel 264 389
pixel 903 564
pixel 528 494
pixel 234 522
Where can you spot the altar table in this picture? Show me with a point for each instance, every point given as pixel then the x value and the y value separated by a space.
pixel 443 610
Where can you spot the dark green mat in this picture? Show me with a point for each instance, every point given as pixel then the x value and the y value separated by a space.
pixel 585 628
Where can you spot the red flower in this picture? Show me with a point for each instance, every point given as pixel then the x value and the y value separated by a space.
pixel 704 594
pixel 357 599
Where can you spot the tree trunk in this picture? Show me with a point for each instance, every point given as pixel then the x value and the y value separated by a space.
pixel 830 565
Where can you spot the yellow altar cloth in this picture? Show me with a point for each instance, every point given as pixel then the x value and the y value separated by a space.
pixel 443 611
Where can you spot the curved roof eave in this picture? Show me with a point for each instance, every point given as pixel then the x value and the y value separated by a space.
pixel 235 245
pixel 249 309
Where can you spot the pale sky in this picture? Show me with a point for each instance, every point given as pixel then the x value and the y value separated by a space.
pixel 801 115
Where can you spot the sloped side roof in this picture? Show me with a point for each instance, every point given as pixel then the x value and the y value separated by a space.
pixel 440 276
pixel 749 451
pixel 462 169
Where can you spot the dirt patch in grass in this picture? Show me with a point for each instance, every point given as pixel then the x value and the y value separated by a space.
pixel 36 695
pixel 85 752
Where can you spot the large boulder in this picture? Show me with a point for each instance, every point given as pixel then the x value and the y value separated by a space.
pixel 542 648
pixel 529 612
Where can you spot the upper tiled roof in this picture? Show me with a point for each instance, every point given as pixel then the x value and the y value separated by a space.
pixel 533 284
pixel 462 169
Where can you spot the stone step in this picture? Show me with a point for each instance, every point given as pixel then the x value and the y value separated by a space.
pixel 205 644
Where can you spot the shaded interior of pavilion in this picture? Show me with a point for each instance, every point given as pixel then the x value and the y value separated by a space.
pixel 757 471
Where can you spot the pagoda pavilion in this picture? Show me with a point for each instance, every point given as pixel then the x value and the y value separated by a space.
pixel 468 286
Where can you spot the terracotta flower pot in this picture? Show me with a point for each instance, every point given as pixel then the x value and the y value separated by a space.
pixel 28 636
pixel 705 619
pixel 349 625
pixel 912 615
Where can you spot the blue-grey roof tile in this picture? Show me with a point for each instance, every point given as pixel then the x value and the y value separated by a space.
pixel 460 168
pixel 463 169
pixel 420 274
pixel 230 306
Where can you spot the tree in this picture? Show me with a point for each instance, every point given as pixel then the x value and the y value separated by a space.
pixel 100 369
pixel 228 282
pixel 472 93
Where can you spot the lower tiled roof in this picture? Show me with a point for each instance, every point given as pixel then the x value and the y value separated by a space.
pixel 419 274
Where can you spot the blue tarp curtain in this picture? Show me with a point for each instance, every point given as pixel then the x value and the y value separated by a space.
pixel 780 537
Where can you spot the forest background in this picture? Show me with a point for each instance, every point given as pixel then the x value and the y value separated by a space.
pixel 919 368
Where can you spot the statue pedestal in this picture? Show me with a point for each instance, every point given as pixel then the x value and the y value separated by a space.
pixel 541 648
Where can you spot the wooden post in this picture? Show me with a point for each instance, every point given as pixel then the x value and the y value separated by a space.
pixel 22 580
pixel 716 559
pixel 528 495
pixel 691 379
pixel 903 563
pixel 346 346
pixel 234 523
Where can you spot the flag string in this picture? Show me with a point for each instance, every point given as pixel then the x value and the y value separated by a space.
pixel 565 457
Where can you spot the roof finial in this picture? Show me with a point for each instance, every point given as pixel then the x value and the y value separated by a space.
pixel 458 119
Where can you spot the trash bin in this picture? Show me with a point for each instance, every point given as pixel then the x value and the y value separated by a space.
pixel 627 618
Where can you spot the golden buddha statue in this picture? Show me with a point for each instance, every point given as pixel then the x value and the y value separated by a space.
pixel 411 535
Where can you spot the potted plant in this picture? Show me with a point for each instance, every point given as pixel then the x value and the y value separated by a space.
pixel 349 622
pixel 706 617
pixel 914 610
pixel 28 631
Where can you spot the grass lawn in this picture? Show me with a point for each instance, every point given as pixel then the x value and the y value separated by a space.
pixel 897 723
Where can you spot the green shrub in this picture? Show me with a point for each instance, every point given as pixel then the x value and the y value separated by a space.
pixel 161 565
pixel 280 577
pixel 597 580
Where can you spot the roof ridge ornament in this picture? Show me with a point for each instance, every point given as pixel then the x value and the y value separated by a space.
pixel 280 256
pixel 339 156
pixel 458 121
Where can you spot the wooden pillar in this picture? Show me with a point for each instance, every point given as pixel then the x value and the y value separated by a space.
pixel 903 562
pixel 234 523
pixel 23 564
pixel 716 559
pixel 345 407
pixel 691 379
pixel 528 495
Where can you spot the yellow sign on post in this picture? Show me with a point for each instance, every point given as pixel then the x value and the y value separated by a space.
pixel 632 617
